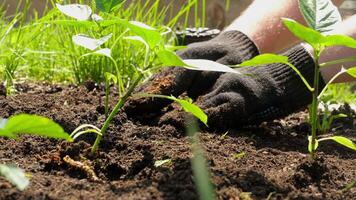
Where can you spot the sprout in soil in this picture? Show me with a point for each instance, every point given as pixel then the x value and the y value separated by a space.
pixel 318 36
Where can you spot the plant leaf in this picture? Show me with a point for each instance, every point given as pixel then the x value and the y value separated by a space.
pixel 344 141
pixel 208 65
pixel 107 5
pixel 352 71
pixel 15 176
pixel 110 76
pixel 77 11
pixel 34 125
pixel 149 34
pixel 90 43
pixel 105 52
pixel 264 59
pixel 189 107
pixel 170 58
pixel 339 40
pixel 137 39
pixel 321 15
pixel 314 38
pixel 74 23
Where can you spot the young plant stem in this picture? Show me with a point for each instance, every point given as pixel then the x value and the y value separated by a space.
pixel 114 112
pixel 315 101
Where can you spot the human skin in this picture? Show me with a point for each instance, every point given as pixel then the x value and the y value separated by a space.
pixel 262 23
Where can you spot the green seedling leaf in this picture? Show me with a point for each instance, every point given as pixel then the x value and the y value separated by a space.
pixel 264 59
pixel 77 11
pixel 96 18
pixel 90 43
pixel 149 34
pixel 344 141
pixel 107 5
pixel 105 52
pixel 15 176
pixel 110 77
pixel 170 58
pixel 138 39
pixel 352 71
pixel 160 163
pixel 189 107
pixel 310 148
pixel 321 15
pixel 339 40
pixel 208 65
pixel 33 125
pixel 304 33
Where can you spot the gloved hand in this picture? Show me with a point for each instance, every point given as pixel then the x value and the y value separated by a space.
pixel 263 93
pixel 230 48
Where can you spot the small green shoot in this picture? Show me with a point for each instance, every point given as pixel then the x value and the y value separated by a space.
pixel 33 125
pixel 15 176
pixel 201 173
pixel 187 105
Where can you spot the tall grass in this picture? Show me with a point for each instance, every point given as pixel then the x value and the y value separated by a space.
pixel 42 48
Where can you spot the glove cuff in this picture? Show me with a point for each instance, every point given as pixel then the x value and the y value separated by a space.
pixel 236 39
pixel 294 93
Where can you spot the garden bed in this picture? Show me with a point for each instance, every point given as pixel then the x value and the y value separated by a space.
pixel 269 161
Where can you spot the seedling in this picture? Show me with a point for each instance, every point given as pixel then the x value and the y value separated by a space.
pixel 327 120
pixel 27 124
pixel 318 36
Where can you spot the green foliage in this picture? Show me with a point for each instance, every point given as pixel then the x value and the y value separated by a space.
pixel 202 177
pixel 15 176
pixel 33 125
pixel 320 15
pixel 107 5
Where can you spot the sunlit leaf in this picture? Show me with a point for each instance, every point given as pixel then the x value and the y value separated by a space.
pixel 321 15
pixel 149 34
pixel 15 176
pixel 96 18
pixel 352 71
pixel 90 43
pixel 344 141
pixel 105 52
pixel 264 59
pixel 77 11
pixel 304 33
pixel 110 77
pixel 33 125
pixel 138 39
pixel 189 107
pixel 339 40
pixel 170 58
pixel 107 5
pixel 208 65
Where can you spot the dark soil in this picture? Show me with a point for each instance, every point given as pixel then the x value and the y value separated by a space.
pixel 275 164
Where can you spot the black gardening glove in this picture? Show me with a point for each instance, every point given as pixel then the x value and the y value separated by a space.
pixel 229 48
pixel 263 93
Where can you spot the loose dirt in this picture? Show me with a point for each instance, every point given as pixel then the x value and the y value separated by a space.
pixel 274 162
